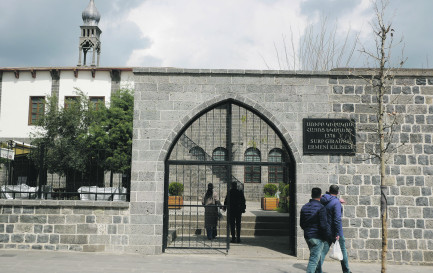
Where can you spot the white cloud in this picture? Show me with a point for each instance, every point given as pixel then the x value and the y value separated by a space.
pixel 223 34
pixel 358 19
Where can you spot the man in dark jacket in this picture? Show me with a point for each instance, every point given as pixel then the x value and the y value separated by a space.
pixel 316 229
pixel 334 210
pixel 236 208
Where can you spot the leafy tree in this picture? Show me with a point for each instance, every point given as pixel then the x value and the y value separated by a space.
pixel 114 133
pixel 62 135
pixel 84 137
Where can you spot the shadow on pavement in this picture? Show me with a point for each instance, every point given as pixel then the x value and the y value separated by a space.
pixel 300 266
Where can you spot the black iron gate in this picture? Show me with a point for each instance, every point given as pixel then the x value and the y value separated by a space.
pixel 226 143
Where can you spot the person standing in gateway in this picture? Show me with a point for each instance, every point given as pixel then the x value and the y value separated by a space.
pixel 316 230
pixel 211 202
pixel 236 208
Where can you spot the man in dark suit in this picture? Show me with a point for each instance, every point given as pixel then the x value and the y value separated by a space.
pixel 236 201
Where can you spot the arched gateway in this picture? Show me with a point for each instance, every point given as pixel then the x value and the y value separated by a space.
pixel 227 142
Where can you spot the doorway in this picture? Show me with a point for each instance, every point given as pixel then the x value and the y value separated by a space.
pixel 227 142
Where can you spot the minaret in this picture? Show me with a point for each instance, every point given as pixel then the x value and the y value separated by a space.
pixel 90 32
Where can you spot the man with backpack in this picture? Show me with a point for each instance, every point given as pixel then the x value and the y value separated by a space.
pixel 316 230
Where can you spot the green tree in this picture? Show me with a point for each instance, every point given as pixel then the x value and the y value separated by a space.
pixel 63 132
pixel 115 133
pixel 85 139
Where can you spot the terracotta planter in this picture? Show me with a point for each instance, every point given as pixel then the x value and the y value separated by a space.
pixel 175 202
pixel 269 203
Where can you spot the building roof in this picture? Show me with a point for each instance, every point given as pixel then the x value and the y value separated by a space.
pixel 66 68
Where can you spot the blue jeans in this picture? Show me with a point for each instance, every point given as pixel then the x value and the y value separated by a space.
pixel 316 247
pixel 344 262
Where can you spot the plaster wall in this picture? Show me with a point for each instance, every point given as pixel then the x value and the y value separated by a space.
pixel 16 92
pixel 100 86
pixel 15 101
pixel 127 80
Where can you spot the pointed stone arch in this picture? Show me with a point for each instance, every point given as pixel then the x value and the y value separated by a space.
pixel 256 109
pixel 235 98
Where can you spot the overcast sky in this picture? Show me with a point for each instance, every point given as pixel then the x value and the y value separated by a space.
pixel 229 34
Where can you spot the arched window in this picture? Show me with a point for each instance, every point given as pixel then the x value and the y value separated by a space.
pixel 275 173
pixel 252 173
pixel 198 153
pixel 219 154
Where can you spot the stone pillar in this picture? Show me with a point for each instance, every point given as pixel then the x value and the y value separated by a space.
pixel 93 57
pixel 55 83
pixel 79 55
pixel 115 80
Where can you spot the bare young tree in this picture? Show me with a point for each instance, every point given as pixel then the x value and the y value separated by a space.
pixel 318 49
pixel 387 117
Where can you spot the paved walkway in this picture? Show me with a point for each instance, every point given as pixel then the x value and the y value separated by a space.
pixel 255 254
pixel 241 258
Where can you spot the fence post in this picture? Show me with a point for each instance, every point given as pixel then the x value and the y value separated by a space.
pixel 9 166
pixel 126 182
pixel 42 171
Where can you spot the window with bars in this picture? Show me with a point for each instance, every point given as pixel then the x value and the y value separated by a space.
pixel 198 153
pixel 97 102
pixel 275 173
pixel 70 100
pixel 36 109
pixel 219 154
pixel 252 173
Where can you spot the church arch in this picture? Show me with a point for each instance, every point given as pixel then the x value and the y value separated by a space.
pixel 229 133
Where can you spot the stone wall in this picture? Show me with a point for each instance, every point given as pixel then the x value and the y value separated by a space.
pixel 64 225
pixel 409 172
pixel 167 98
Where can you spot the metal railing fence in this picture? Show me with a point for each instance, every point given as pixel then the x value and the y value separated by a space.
pixel 24 175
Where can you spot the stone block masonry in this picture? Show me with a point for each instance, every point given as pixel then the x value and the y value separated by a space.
pixel 285 98
pixel 409 196
pixel 50 225
pixel 167 99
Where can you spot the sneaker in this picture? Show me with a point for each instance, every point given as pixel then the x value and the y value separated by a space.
pixel 233 240
pixel 238 240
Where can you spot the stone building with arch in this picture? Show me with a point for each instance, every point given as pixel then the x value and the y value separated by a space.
pixel 197 126
pixel 167 99
pixel 263 111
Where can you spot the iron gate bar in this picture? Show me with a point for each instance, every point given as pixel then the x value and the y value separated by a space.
pixel 226 163
pixel 228 170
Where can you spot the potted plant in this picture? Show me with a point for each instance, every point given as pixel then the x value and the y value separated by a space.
pixel 175 199
pixel 284 198
pixel 270 201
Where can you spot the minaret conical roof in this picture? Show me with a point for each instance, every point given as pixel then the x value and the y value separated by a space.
pixel 90 15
